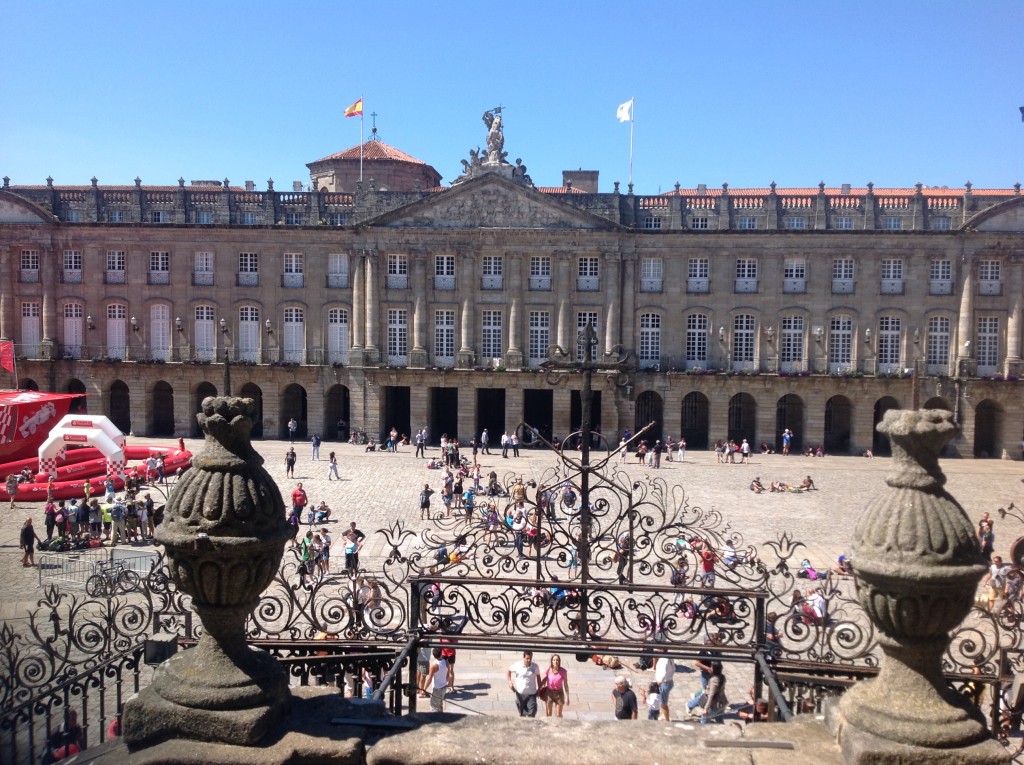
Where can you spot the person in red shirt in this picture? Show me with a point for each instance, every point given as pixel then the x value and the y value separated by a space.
pixel 299 500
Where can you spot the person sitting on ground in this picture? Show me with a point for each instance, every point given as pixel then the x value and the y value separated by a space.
pixel 755 711
pixel 323 512
pixel 766 449
pixel 819 452
pixel 808 484
pixel 869 454
pixel 371 447
pixel 843 567
pixel 778 486
pixel 756 486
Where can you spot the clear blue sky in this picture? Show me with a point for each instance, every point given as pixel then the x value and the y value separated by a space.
pixel 738 92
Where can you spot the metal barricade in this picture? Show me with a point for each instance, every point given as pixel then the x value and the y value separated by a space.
pixel 73 568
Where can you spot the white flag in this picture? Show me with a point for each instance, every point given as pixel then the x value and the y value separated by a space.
pixel 625 111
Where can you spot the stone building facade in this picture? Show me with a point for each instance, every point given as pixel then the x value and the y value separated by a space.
pixel 744 311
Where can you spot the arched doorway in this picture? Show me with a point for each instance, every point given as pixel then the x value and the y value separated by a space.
pixel 252 390
pixel 880 442
pixel 203 390
pixel 696 420
pixel 742 418
pixel 337 413
pixel 789 413
pixel 120 406
pixel 163 409
pixel 648 409
pixel 988 417
pixel 79 405
pixel 838 425
pixel 293 405
pixel 27 383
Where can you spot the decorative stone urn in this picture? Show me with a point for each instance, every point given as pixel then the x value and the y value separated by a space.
pixel 224 534
pixel 917 565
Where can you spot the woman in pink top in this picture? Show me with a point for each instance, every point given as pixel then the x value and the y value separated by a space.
pixel 556 680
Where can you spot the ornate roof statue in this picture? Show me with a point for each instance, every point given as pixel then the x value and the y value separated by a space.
pixel 494 158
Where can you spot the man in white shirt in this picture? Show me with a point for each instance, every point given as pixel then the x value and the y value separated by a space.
pixel 524 680
pixel 664 676
pixel 436 682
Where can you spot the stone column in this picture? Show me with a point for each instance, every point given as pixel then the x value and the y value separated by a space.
pixel 917 568
pixel 1016 316
pixel 418 356
pixel 514 355
pixel 612 300
pixel 142 412
pixel 964 331
pixel 372 309
pixel 564 336
pixel 561 410
pixel 464 284
pixel 419 409
pixel 358 309
pixel 48 273
pixel 629 332
pixel 6 297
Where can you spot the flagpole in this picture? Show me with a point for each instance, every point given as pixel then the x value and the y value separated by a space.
pixel 362 108
pixel 632 119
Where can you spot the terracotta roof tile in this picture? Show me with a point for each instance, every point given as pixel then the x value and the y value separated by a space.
pixel 374 150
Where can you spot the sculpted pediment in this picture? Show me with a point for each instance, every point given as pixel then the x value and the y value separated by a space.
pixel 491 202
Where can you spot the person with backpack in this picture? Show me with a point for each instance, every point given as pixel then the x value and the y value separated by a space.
pixel 118 513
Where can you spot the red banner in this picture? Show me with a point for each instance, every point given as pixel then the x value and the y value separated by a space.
pixel 7 355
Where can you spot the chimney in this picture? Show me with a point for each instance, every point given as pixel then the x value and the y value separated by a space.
pixel 250 185
pixel 296 185
pixel 584 180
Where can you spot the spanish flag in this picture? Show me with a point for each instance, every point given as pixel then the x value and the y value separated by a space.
pixel 356 110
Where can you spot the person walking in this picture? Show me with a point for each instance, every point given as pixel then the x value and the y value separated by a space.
pixel 625 699
pixel 485 442
pixel 12 488
pixel 289 463
pixel 315 443
pixel 332 467
pixel 556 680
pixel 437 680
pixel 28 544
pixel 524 680
pixel 514 443
pixel 420 451
pixel 664 676
pixel 293 426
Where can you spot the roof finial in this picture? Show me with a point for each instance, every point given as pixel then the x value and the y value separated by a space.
pixel 373 130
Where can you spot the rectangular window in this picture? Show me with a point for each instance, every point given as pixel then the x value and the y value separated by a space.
pixel 794 223
pixel 202 271
pixel 159 216
pixel 204 217
pixel 743 342
pixel 988 345
pixel 248 269
pixel 117 315
pixel 493 270
pixel 540 337
pixel 892 276
pixel 888 350
pixel 583 318
pixel 294 219
pixel 700 223
pixel 294 268
pixel 842 276
pixel 652 222
pixel 72 267
pixel 29 266
pixel 696 341
pixel 250 219
pixel 248 333
pixel 892 223
pixel 444 338
pixel 338 343
pixel 203 337
pixel 398 272
pixel 937 351
pixel 650 341
pixel 651 274
pixel 588 274
pixel 490 337
pixel 746 275
pixel 697 275
pixel 989 278
pixel 794 276
pixel 791 344
pixel 444 272
pixel 293 345
pixel 115 266
pixel 941 282
pixel 746 223
pixel 116 216
pixel 842 223
pixel 334 219
pixel 337 270
pixel 30 329
pixel 941 223
pixel 540 272
pixel 840 344
pixel 73 330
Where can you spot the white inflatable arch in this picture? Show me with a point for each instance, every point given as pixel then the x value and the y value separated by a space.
pixel 81 429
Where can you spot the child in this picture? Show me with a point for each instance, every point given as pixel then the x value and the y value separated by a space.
pixel 652 698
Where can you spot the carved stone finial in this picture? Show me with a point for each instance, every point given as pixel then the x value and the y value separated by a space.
pixel 224 534
pixel 917 566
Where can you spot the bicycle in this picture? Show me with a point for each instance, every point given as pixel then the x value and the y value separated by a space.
pixel 111 579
